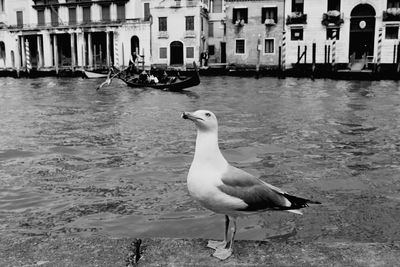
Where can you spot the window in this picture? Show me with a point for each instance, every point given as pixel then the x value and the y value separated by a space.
pixel 72 15
pixel 393 3
pixel 163 52
pixel 86 14
pixel 333 5
pixel 2 51
pixel 189 52
pixel 239 14
pixel 296 34
pixel 211 29
pixel 216 6
pixel 240 46
pixel 269 46
pixel 20 19
pixel 269 13
pixel 40 15
pixel 162 24
pixel 121 12
pixel 211 50
pixel 146 11
pixel 190 23
pixel 329 33
pixel 298 6
pixel 54 16
pixel 1 5
pixel 105 13
pixel 392 32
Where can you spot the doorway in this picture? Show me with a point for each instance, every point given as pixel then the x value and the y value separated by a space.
pixel 223 52
pixel 176 50
pixel 362 31
pixel 135 44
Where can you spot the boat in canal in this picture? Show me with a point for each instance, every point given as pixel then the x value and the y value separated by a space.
pixel 94 75
pixel 169 83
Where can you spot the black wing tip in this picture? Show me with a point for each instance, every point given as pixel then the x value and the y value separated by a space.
pixel 298 202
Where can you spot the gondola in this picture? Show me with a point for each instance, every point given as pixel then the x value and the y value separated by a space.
pixel 174 83
pixel 93 75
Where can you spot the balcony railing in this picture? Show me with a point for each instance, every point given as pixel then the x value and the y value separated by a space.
pixel 296 18
pixel 163 34
pixel 65 24
pixel 332 18
pixel 392 14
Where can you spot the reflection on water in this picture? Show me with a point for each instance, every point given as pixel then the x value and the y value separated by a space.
pixel 114 162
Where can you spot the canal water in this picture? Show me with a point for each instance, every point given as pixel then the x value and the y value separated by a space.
pixel 114 162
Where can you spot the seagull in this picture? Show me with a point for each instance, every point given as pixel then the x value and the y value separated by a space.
pixel 225 189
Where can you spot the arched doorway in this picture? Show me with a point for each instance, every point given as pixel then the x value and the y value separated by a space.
pixel 2 54
pixel 176 49
pixel 135 44
pixel 362 31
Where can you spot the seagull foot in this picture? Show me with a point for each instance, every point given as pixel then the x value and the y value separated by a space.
pixel 223 253
pixel 216 244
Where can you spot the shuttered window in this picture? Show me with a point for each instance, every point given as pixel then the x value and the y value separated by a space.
pixel 189 52
pixel 163 52
pixel 72 15
pixel 121 12
pixel 41 20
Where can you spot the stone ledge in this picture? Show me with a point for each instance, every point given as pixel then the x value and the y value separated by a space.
pixel 103 251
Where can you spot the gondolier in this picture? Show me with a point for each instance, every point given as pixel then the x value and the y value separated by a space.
pixel 132 61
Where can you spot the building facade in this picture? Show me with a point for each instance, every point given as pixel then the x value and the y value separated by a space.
pixel 57 34
pixel 179 32
pixel 343 31
pixel 254 31
pixel 51 34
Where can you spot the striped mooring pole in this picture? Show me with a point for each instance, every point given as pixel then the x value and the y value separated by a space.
pixel 284 51
pixel 379 50
pixel 116 55
pixel 28 56
pixel 334 48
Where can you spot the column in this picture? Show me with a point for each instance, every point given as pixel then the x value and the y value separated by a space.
pixel 90 49
pixel 108 49
pixel 47 50
pixel 84 49
pixel 39 52
pixel 55 51
pixel 73 50
pixel 23 53
pixel 79 48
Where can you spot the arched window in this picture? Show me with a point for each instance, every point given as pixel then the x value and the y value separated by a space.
pixel 2 54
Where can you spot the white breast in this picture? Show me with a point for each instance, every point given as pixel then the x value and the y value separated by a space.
pixel 203 186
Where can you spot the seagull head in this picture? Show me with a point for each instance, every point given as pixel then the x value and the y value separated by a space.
pixel 203 119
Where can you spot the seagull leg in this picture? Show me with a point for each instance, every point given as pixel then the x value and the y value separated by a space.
pixel 226 252
pixel 220 244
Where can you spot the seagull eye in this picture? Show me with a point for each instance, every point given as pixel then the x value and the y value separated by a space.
pixel 208 114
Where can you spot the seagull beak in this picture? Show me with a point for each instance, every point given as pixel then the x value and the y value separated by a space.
pixel 189 116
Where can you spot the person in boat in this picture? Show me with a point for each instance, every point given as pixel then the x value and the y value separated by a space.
pixel 133 60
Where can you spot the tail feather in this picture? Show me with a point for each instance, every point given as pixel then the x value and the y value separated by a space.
pixel 298 202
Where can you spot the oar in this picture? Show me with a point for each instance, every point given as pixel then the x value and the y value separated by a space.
pixel 109 78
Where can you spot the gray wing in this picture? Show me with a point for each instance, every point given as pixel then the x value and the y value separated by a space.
pixel 257 194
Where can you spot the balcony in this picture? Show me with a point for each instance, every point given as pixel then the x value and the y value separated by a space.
pixel 68 24
pixel 296 18
pixel 391 14
pixel 163 35
pixel 190 34
pixel 332 18
pixel 239 23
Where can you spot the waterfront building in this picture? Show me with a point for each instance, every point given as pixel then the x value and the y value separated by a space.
pixel 254 31
pixel 352 32
pixel 180 30
pixel 216 42
pixel 51 34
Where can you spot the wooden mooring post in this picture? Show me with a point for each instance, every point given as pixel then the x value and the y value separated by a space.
pixel 314 53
